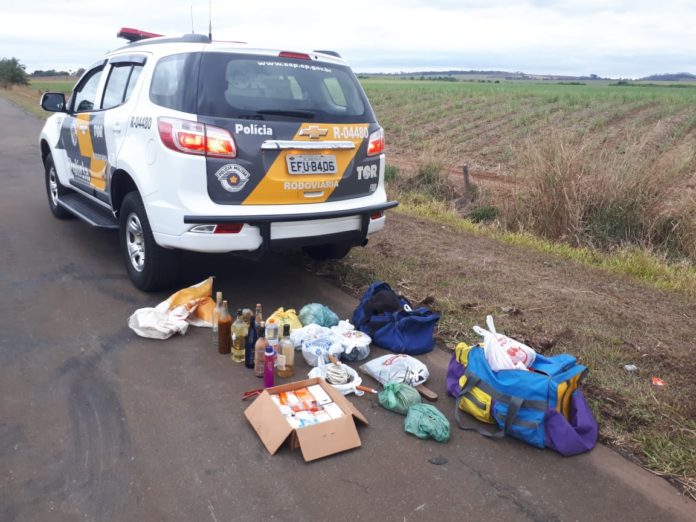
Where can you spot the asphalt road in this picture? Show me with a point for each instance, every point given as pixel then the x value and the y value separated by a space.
pixel 99 424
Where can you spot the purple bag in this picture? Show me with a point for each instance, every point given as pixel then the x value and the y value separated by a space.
pixel 574 437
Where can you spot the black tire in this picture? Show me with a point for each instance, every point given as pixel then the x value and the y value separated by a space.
pixel 150 267
pixel 54 190
pixel 329 251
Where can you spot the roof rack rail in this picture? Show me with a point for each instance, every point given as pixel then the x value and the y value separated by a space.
pixel 187 38
pixel 135 35
pixel 331 53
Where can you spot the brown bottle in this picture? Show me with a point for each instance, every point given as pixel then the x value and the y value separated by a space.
pixel 224 330
pixel 260 351
pixel 216 316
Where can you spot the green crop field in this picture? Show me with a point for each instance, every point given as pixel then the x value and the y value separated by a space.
pixel 58 85
pixel 485 124
pixel 591 165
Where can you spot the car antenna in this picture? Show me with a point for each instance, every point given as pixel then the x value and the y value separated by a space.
pixel 210 21
pixel 193 31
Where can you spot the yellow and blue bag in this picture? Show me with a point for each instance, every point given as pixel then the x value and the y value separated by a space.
pixel 542 406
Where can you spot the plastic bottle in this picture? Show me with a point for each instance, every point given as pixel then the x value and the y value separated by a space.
pixel 224 330
pixel 216 316
pixel 272 334
pixel 239 335
pixel 269 367
pixel 286 354
pixel 260 351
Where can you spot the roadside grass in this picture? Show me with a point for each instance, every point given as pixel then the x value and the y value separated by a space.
pixel 28 97
pixel 638 263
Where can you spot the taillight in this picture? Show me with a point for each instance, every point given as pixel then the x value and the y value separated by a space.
pixel 219 142
pixel 376 215
pixel 297 56
pixel 375 145
pixel 196 138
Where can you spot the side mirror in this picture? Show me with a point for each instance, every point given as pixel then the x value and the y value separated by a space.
pixel 53 102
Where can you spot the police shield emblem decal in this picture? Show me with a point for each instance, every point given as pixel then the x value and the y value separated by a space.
pixel 232 177
pixel 73 132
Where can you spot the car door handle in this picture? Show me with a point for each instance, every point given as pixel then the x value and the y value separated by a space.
pixel 116 127
pixel 83 129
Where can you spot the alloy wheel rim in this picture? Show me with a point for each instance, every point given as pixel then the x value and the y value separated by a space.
pixel 53 186
pixel 135 242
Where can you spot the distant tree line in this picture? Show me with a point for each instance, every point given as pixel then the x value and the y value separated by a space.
pixel 12 73
pixel 49 73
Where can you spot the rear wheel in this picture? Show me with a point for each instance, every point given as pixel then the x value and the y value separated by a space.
pixel 54 190
pixel 328 251
pixel 149 266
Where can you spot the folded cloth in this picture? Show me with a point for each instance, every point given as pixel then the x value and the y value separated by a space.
pixel 192 305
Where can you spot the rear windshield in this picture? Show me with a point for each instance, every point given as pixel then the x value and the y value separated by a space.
pixel 272 88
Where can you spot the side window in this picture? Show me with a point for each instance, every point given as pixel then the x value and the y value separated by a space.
pixel 166 88
pixel 135 74
pixel 86 93
pixel 119 86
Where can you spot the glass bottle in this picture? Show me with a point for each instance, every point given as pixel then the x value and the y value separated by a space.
pixel 286 354
pixel 247 315
pixel 216 316
pixel 252 335
pixel 224 330
pixel 239 335
pixel 259 314
pixel 260 351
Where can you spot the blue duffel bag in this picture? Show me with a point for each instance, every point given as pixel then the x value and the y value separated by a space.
pixel 392 322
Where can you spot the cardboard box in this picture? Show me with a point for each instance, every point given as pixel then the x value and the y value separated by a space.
pixel 315 442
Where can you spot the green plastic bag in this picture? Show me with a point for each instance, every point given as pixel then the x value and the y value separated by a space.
pixel 426 421
pixel 315 313
pixel 398 397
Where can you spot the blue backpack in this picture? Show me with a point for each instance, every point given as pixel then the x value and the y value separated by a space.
pixel 392 323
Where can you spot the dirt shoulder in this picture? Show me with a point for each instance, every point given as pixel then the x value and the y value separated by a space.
pixel 557 305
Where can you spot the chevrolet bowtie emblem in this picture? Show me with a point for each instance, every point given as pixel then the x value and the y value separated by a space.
pixel 314 132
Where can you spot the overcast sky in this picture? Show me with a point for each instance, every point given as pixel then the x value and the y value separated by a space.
pixel 620 38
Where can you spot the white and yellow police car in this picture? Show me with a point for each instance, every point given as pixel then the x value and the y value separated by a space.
pixel 184 143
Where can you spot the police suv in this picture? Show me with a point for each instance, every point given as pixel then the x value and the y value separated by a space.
pixel 191 144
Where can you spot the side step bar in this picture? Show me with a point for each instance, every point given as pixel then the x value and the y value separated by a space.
pixel 89 212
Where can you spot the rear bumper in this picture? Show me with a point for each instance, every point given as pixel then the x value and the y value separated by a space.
pixel 281 231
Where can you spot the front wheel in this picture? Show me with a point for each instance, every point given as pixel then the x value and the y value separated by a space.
pixel 150 267
pixel 54 190
pixel 328 251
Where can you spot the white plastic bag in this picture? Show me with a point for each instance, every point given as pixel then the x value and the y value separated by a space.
pixel 399 368
pixel 356 344
pixel 502 352
pixel 306 333
pixel 315 351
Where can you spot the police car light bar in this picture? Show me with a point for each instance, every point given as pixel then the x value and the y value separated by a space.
pixel 135 35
